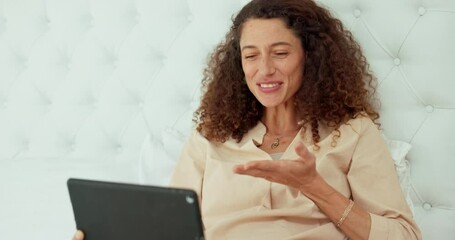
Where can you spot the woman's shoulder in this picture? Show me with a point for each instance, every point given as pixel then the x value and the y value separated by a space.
pixel 196 136
pixel 360 123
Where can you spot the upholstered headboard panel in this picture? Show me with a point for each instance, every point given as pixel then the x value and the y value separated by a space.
pixel 105 89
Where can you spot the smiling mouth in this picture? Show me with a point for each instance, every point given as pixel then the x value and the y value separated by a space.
pixel 268 85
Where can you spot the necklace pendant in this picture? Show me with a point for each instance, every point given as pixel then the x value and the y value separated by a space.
pixel 275 143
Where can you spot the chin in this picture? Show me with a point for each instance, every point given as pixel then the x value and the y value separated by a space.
pixel 270 104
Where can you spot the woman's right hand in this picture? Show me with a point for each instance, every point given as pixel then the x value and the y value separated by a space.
pixel 79 235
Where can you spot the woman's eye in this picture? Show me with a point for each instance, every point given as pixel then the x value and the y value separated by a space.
pixel 281 54
pixel 250 56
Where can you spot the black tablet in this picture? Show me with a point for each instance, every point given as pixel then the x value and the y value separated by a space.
pixel 111 211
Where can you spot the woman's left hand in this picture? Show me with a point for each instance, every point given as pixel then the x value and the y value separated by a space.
pixel 297 173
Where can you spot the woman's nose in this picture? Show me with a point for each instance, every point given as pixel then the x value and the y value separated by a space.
pixel 266 67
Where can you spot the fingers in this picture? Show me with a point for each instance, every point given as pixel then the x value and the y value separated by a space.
pixel 254 172
pixel 256 165
pixel 239 168
pixel 262 169
pixel 303 151
pixel 79 235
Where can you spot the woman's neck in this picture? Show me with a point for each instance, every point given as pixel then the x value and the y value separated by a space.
pixel 281 120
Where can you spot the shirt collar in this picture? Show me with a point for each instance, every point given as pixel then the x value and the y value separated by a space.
pixel 256 134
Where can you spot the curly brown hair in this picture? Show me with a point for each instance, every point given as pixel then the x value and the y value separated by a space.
pixel 337 85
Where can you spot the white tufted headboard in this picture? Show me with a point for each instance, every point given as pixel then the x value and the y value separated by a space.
pixel 105 89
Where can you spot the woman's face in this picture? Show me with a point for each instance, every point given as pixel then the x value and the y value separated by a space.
pixel 272 60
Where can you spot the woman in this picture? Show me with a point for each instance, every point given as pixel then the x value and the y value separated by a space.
pixel 290 84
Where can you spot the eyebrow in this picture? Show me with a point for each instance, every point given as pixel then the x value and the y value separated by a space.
pixel 273 45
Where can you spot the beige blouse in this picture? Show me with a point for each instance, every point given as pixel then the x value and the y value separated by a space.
pixel 243 207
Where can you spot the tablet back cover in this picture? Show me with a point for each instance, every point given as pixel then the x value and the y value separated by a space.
pixel 111 211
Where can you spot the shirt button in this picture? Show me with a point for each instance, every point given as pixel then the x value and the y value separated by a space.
pixel 397 61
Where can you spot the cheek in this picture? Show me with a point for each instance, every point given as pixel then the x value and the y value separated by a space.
pixel 248 69
pixel 296 73
pixel 249 81
pixel 250 84
pixel 298 79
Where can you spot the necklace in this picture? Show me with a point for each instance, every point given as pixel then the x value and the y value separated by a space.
pixel 276 142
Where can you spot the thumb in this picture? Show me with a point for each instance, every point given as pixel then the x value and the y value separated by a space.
pixel 79 235
pixel 303 151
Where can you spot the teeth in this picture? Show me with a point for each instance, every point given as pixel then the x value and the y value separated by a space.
pixel 268 85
